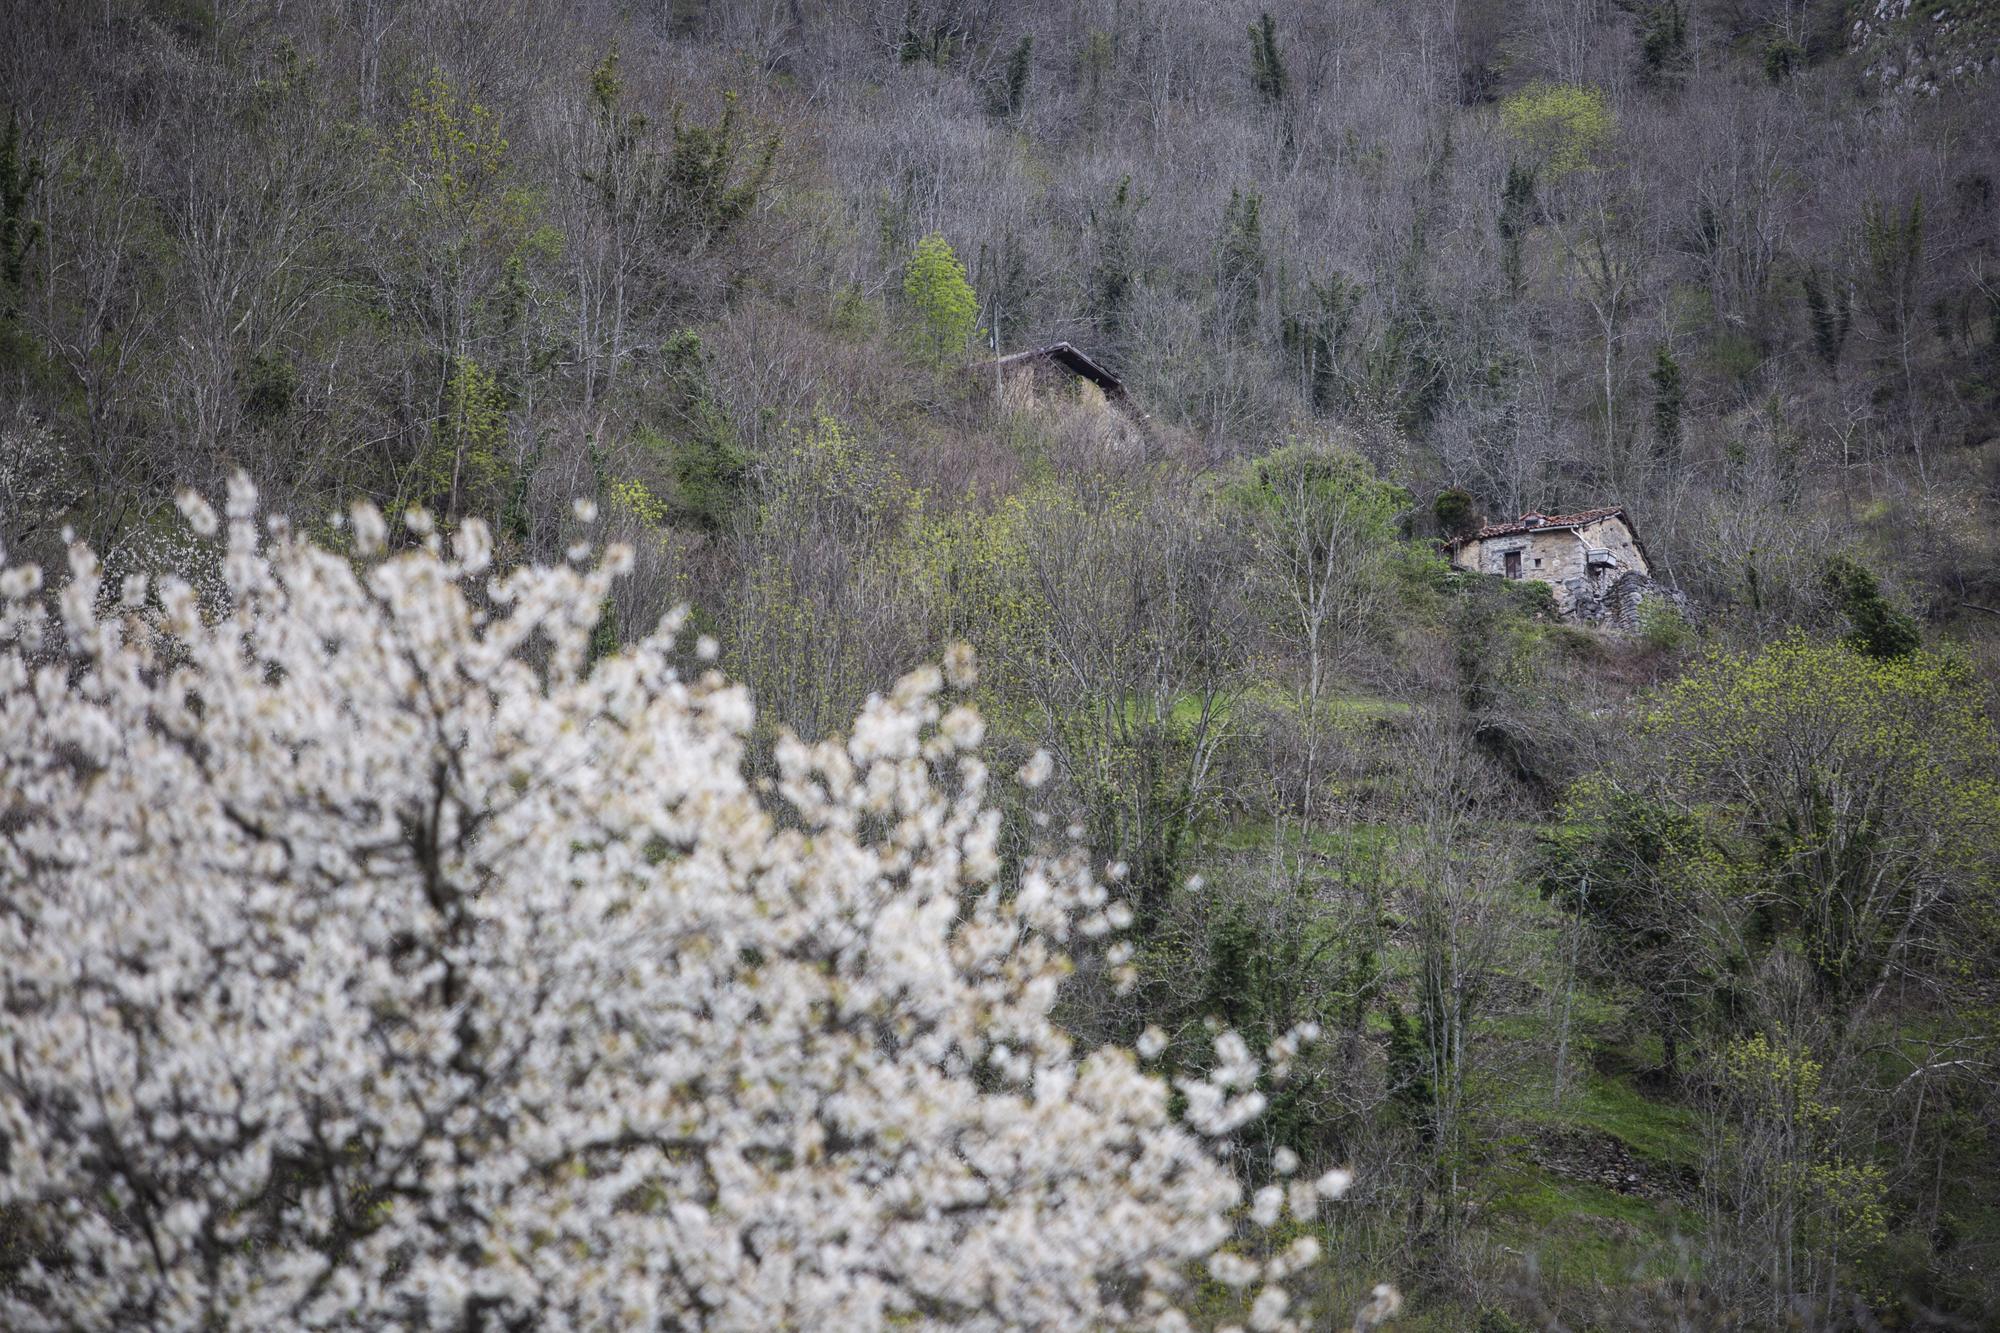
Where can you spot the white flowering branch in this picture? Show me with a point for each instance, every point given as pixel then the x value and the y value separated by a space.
pixel 370 960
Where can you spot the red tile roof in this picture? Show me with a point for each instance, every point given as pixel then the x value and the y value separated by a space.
pixel 1549 522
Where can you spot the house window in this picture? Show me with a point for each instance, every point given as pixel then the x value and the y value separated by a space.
pixel 1538 564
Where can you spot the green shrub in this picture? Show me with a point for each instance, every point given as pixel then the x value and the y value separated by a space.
pixel 1662 626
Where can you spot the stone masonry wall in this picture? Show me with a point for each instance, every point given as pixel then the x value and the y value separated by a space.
pixel 1556 557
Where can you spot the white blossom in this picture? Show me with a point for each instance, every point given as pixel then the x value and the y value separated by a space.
pixel 371 962
pixel 1037 770
pixel 199 515
pixel 1267 1312
pixel 961 666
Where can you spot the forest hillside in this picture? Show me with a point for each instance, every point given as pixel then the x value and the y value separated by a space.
pixel 1653 963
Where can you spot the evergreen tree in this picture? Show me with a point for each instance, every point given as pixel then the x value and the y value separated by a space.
pixel 1240 260
pixel 1663 55
pixel 1317 335
pixel 1457 512
pixel 1517 202
pixel 1669 398
pixel 1893 242
pixel 1267 66
pixel 1879 629
pixel 1004 276
pixel 19 174
pixel 1020 69
pixel 1831 313
pixel 1114 264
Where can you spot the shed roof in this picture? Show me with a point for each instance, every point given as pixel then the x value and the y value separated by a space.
pixel 1075 361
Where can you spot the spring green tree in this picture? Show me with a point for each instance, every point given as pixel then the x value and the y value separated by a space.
pixel 1811 800
pixel 1566 125
pixel 947 310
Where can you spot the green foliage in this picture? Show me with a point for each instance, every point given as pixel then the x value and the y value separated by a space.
pixel 604 635
pixel 1878 629
pixel 1830 312
pixel 1456 511
pixel 1114 262
pixel 947 310
pixel 1013 96
pixel 1663 53
pixel 1855 799
pixel 1004 275
pixel 800 626
pixel 19 174
pixel 1787 1148
pixel 1094 61
pixel 1669 399
pixel 1239 260
pixel 451 153
pixel 926 40
pixel 1256 983
pixel 1783 58
pixel 712 178
pixel 1662 627
pixel 689 468
pixel 1637 870
pixel 1566 125
pixel 1267 65
pixel 1319 332
pixel 1892 243
pixel 1307 485
pixel 690 192
pixel 266 386
pixel 1517 211
pixel 710 473
pixel 464 467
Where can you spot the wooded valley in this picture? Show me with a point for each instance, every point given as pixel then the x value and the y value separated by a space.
pixel 1655 963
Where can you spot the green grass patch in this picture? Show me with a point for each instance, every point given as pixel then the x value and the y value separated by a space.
pixel 1579 1233
pixel 1655 1130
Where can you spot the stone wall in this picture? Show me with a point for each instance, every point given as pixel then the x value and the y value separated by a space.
pixel 1556 556
pixel 1620 604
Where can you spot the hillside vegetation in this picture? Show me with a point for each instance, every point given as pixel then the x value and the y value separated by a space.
pixel 1658 973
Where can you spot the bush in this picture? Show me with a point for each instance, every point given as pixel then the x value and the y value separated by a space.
pixel 1662 627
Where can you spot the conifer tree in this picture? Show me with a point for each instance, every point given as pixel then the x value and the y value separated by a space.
pixel 1663 54
pixel 1240 259
pixel 1114 265
pixel 1020 69
pixel 19 174
pixel 1831 312
pixel 1517 202
pixel 1267 66
pixel 1669 398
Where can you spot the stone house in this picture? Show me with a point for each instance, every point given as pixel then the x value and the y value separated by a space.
pixel 1592 561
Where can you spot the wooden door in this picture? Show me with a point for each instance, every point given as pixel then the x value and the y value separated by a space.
pixel 1513 563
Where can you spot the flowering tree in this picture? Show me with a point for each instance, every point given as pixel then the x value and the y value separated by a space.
pixel 370 960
